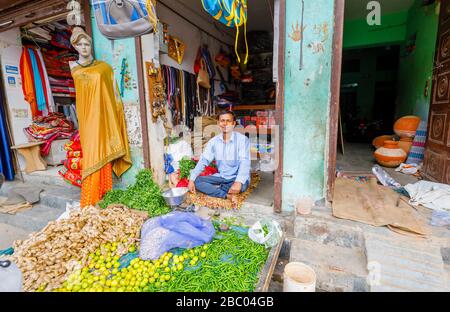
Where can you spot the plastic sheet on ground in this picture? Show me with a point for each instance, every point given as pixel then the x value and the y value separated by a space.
pixel 176 229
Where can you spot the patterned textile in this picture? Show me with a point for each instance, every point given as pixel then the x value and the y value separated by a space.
pixel 70 176
pixel 73 163
pixel 74 154
pixel 417 152
pixel 49 128
pixel 96 185
pixel 200 199
pixel 71 172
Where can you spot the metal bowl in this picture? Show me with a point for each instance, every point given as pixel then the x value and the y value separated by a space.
pixel 175 196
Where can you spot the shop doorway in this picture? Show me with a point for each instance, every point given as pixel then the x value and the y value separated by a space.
pixel 251 91
pixel 44 34
pixel 386 74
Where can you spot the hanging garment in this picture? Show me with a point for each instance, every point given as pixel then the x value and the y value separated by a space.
pixel 49 95
pixel 6 163
pixel 102 129
pixel 26 73
pixel 39 89
pixel 96 185
pixel 41 68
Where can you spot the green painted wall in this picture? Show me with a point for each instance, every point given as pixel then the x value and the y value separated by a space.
pixel 357 33
pixel 307 99
pixel 113 55
pixel 416 69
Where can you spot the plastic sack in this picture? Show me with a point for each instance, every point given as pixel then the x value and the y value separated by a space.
pixel 176 229
pixel 432 195
pixel 408 168
pixel 126 259
pixel 384 177
pixel 266 232
pixel 10 277
pixel 70 207
pixel 178 151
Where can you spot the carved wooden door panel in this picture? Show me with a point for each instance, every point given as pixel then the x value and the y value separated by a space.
pixel 437 153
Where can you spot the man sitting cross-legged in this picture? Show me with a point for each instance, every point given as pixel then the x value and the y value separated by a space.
pixel 231 150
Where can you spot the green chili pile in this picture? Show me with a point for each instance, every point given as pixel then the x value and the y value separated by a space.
pixel 232 264
pixel 144 195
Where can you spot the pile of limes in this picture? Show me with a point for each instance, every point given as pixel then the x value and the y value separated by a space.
pixel 103 272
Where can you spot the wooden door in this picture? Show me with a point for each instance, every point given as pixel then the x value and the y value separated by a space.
pixel 437 153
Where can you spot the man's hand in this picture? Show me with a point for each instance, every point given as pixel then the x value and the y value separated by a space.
pixel 235 188
pixel 191 187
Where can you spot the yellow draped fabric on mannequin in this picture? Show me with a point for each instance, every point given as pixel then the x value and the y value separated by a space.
pixel 102 128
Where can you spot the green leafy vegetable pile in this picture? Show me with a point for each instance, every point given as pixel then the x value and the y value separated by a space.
pixel 186 165
pixel 144 195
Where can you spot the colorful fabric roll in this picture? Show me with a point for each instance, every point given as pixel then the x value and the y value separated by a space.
pixel 417 152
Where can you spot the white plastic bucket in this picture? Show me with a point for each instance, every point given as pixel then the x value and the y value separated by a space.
pixel 299 277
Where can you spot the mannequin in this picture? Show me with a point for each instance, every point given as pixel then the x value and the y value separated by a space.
pixel 101 119
pixel 83 45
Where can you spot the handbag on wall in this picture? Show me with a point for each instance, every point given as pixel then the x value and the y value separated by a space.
pixel 204 106
pixel 117 19
pixel 203 76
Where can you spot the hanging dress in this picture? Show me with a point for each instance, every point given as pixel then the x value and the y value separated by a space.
pixel 102 129
pixel 28 88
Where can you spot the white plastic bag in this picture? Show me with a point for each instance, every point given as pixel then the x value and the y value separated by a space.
pixel 70 207
pixel 432 195
pixel 408 168
pixel 266 232
pixel 178 151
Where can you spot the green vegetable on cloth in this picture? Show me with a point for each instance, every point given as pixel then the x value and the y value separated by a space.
pixel 144 195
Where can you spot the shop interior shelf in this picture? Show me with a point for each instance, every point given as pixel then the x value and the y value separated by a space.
pixel 254 107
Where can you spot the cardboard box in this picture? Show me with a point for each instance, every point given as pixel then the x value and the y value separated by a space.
pixel 57 152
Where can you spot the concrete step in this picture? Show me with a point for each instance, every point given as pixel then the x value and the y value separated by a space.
pixel 47 177
pixel 406 264
pixel 11 233
pixel 51 196
pixel 58 196
pixel 33 219
pixel 326 231
pixel 338 269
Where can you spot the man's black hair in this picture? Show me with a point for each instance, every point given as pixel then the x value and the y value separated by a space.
pixel 224 112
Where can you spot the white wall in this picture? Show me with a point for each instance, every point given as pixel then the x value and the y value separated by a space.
pixel 18 109
pixel 155 130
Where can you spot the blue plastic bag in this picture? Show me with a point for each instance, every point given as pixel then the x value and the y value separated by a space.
pixel 174 230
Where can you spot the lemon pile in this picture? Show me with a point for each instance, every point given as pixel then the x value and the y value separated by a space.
pixel 103 272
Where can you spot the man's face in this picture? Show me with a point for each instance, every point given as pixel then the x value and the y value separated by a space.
pixel 226 123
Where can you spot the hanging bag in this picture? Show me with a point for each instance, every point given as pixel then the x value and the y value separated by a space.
pixel 232 13
pixel 118 19
pixel 203 76
pixel 204 82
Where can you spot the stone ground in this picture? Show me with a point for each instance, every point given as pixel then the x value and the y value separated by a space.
pixel 342 252
pixel 359 157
